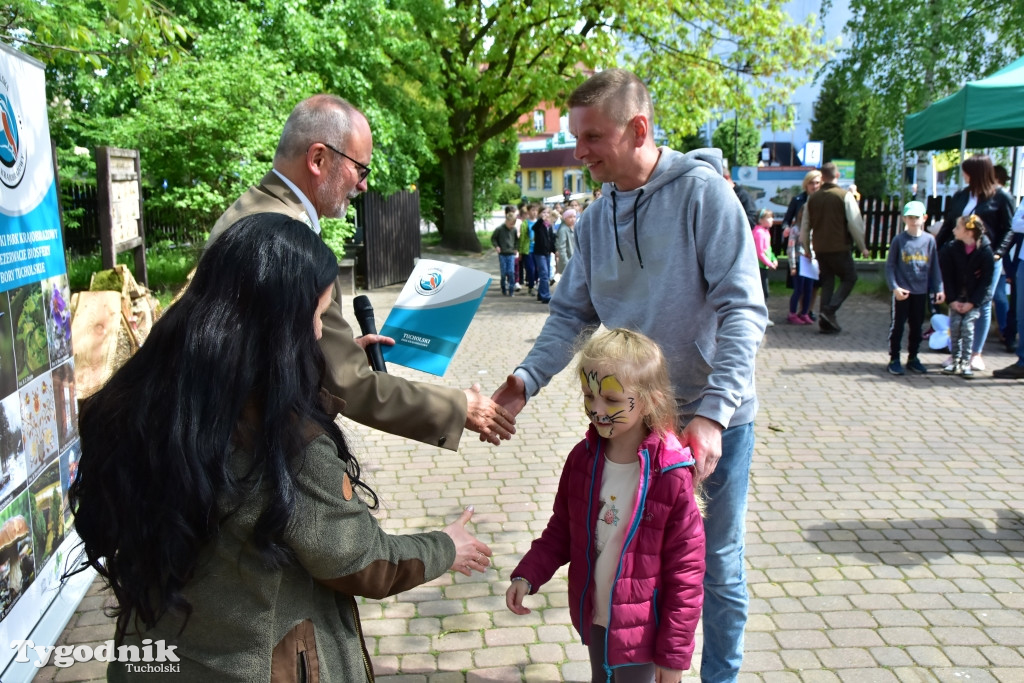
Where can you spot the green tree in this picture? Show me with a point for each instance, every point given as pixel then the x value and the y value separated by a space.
pixel 739 140
pixel 479 66
pixel 908 54
pixel 10 439
pixel 93 35
pixel 842 112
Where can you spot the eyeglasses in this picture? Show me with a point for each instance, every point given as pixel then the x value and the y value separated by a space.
pixel 364 170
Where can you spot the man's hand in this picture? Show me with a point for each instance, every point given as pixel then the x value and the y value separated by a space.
pixel 511 395
pixel 489 419
pixel 901 294
pixel 704 437
pixel 940 297
pixel 865 253
pixel 368 339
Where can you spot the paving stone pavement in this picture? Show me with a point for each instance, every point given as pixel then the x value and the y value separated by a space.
pixel 885 533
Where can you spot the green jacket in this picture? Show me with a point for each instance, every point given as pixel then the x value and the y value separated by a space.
pixel 504 238
pixel 254 623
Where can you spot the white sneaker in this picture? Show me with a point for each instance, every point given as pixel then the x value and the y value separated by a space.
pixel 770 323
pixel 519 286
pixel 977 363
pixel 948 361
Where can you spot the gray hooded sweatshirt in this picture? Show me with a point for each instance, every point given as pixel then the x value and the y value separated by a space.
pixel 673 259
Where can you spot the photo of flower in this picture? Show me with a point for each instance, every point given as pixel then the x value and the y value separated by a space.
pixel 68 472
pixel 38 422
pixel 56 301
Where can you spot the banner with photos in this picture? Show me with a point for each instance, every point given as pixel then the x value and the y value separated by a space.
pixel 38 410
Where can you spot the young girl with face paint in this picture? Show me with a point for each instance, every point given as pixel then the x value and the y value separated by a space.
pixel 626 520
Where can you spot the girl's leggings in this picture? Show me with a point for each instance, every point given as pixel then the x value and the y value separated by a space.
pixel 802 289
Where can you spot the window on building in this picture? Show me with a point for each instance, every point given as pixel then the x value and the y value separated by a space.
pixel 538 120
pixel 567 181
pixel 532 179
pixel 547 180
pixel 519 179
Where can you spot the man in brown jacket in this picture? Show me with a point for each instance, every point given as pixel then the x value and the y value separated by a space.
pixel 321 163
pixel 832 222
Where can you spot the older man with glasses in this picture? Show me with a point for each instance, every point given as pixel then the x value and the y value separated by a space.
pixel 322 162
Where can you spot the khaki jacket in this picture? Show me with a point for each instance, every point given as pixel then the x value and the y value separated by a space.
pixel 298 623
pixel 427 413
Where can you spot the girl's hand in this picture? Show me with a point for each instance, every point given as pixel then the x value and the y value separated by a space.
pixel 514 597
pixel 470 554
pixel 663 675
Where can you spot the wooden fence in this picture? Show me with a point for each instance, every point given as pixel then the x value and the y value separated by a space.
pixel 79 205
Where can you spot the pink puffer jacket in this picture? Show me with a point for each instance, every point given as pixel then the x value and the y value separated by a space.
pixel 658 592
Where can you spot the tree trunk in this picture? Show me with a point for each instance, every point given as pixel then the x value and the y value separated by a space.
pixel 459 228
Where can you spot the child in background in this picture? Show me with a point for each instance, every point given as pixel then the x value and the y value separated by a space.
pixel 626 519
pixel 803 286
pixel 912 273
pixel 967 264
pixel 504 239
pixel 763 245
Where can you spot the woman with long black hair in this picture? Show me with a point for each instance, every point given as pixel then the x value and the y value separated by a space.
pixel 216 495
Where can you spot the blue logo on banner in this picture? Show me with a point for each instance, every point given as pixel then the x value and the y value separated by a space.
pixel 12 154
pixel 430 283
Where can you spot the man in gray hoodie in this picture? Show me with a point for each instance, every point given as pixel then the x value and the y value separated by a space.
pixel 667 251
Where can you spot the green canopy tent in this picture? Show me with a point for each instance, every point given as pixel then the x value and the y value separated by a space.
pixel 984 113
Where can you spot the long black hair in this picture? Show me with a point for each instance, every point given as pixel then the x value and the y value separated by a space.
pixel 235 359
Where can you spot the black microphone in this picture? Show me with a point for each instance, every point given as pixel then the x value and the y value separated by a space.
pixel 364 315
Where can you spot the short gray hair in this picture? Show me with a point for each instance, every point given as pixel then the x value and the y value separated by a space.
pixel 320 118
pixel 620 94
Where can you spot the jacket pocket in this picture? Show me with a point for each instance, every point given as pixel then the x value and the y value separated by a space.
pixel 294 659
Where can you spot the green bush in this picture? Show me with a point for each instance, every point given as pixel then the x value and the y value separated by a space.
pixel 508 193
pixel 335 232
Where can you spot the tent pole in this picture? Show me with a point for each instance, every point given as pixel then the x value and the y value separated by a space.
pixel 963 150
pixel 1013 173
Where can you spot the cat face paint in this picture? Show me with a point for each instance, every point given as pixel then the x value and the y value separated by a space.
pixel 613 408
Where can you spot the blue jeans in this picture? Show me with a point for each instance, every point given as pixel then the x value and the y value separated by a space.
pixel 529 269
pixel 507 262
pixel 984 321
pixel 1019 278
pixel 542 262
pixel 725 579
pixel 999 298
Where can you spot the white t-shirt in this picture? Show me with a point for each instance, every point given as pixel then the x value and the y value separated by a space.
pixel 618 496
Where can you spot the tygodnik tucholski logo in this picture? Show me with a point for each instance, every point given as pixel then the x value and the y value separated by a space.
pixel 13 152
pixel 152 657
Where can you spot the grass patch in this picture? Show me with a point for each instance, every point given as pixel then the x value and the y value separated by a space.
pixel 167 265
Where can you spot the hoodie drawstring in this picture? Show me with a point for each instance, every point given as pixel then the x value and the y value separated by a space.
pixel 615 226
